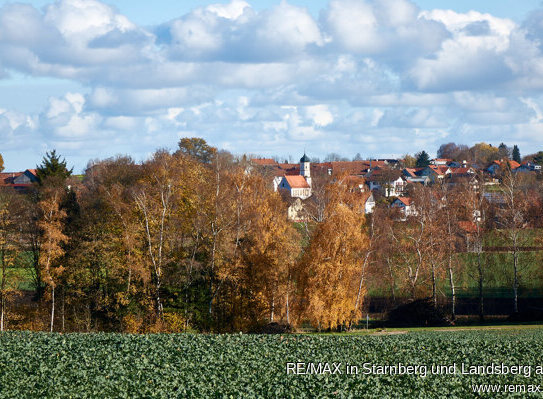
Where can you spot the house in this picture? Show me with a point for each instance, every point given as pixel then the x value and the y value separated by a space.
pixel 29 176
pixel 495 166
pixel 19 181
pixel 368 201
pixel 295 211
pixel 405 205
pixel 264 161
pixel 435 173
pixel 440 161
pixel 298 186
pixel 528 167
pixel 457 164
pixel 385 180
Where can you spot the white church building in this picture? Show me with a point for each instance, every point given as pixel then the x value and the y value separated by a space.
pixel 299 186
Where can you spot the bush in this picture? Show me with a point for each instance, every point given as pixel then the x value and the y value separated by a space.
pixel 419 313
pixel 529 315
pixel 272 328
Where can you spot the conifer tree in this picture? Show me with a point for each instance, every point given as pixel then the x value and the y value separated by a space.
pixel 516 154
pixel 423 159
pixel 53 166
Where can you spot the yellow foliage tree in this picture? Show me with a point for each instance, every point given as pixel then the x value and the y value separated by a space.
pixel 331 270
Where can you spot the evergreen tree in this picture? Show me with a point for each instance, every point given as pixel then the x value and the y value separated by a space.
pixel 1 163
pixel 423 159
pixel 516 154
pixel 53 166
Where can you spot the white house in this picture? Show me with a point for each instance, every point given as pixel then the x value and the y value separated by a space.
pixel 405 205
pixel 368 201
pixel 299 186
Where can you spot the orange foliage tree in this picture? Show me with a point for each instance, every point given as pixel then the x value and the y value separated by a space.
pixel 330 271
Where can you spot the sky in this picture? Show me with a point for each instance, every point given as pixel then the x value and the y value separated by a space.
pixel 379 78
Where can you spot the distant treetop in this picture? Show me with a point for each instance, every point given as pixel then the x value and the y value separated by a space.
pixel 52 166
pixel 516 154
pixel 197 148
pixel 423 159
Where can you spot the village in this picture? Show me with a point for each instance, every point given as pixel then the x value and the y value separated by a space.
pixel 383 178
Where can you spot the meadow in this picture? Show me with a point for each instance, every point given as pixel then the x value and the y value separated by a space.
pixel 40 365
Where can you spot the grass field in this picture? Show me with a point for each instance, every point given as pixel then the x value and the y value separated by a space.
pixel 39 365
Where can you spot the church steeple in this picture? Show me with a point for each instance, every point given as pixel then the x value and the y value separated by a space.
pixel 305 168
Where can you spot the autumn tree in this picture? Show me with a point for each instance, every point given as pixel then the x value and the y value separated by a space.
pixel 9 250
pixel 52 240
pixel 457 152
pixel 484 153
pixel 269 247
pixel 409 161
pixel 331 266
pixel 167 185
pixel 450 214
pixel 513 221
pixel 504 152
pixel 473 221
pixel 196 148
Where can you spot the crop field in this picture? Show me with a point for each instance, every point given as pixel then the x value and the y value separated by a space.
pixel 40 365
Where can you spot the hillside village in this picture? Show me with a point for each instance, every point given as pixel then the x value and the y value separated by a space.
pixel 380 178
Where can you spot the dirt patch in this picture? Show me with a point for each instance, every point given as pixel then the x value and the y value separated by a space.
pixel 395 332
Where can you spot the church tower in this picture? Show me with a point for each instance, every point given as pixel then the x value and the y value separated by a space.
pixel 305 168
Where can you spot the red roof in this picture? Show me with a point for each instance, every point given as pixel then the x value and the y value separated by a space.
pixel 263 161
pixel 512 164
pixel 405 200
pixel 33 171
pixel 7 177
pixel 440 170
pixel 297 181
pixel 412 171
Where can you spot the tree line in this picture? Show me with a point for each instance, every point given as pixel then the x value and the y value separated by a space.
pixel 198 240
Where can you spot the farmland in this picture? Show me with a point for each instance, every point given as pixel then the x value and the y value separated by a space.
pixel 185 365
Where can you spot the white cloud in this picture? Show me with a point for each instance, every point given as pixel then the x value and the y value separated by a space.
pixel 389 29
pixel 374 76
pixel 319 114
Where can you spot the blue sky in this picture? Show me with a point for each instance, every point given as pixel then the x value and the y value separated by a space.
pixel 377 77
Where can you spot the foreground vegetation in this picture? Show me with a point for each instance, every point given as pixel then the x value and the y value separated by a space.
pixel 37 365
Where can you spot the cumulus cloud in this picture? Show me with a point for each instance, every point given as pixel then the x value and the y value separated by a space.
pixel 236 33
pixel 365 73
pixel 388 29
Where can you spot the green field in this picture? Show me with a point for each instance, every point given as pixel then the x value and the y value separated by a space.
pixel 40 365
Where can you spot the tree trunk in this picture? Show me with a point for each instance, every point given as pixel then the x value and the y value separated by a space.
pixel 2 316
pixel 272 309
pixel 62 308
pixel 392 282
pixel 515 281
pixel 288 310
pixel 453 292
pixel 481 278
pixel 434 287
pixel 52 307
pixel 88 317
